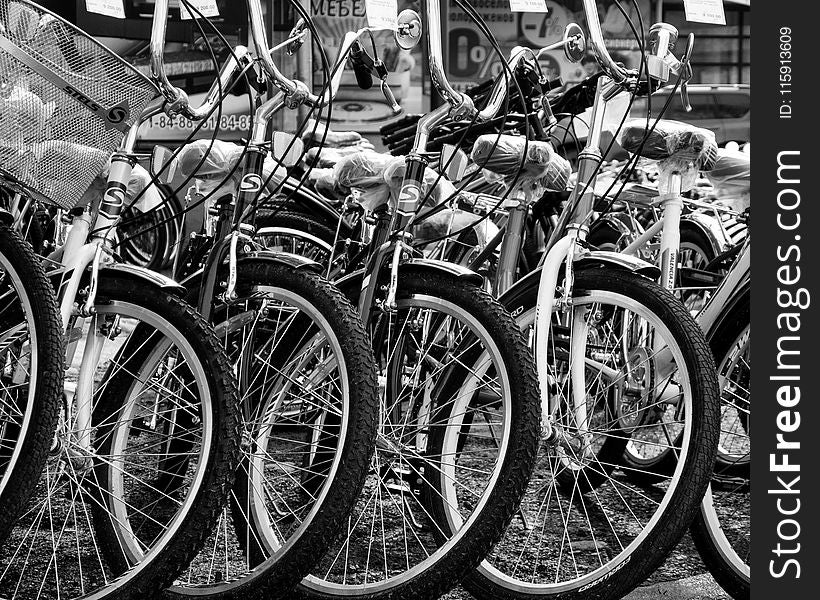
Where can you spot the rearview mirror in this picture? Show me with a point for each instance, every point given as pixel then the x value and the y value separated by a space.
pixel 408 31
pixel 163 166
pixel 453 161
pixel 287 149
pixel 575 43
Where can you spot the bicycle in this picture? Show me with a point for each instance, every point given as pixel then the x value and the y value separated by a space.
pixel 612 349
pixel 453 372
pixel 304 365
pixel 146 372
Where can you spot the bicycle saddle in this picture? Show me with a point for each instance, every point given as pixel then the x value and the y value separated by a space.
pixel 731 170
pixel 670 140
pixel 323 157
pixel 332 139
pixel 502 155
pixel 376 175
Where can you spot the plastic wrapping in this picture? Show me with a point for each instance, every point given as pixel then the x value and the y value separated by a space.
pixel 543 169
pixel 328 157
pixel 730 177
pixel 333 138
pixel 681 148
pixel 140 180
pixel 324 182
pixel 365 172
pixel 670 139
pixel 451 220
pixel 218 162
pixel 378 177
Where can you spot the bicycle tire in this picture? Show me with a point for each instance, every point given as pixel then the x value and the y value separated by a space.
pixel 727 559
pixel 25 444
pixel 124 530
pixel 297 233
pixel 333 476
pixel 609 572
pixel 451 558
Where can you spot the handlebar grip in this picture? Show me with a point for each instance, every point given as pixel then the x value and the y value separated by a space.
pixel 359 60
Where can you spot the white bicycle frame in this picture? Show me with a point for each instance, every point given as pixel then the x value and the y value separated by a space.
pixel 86 247
pixel 564 251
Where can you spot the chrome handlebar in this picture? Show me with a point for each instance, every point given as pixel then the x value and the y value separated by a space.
pixel 177 99
pixel 295 92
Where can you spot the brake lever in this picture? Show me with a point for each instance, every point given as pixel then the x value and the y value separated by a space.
pixel 686 73
pixel 381 73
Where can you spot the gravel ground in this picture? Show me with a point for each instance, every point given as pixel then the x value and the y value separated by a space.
pixel 682 577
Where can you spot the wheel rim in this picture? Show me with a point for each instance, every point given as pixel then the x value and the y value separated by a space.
pixel 294 241
pixel 77 499
pixel 19 369
pixel 283 495
pixel 391 529
pixel 596 539
pixel 726 508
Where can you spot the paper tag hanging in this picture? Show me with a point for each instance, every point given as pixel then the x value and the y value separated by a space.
pixel 208 8
pixel 382 14
pixel 532 6
pixel 108 8
pixel 705 11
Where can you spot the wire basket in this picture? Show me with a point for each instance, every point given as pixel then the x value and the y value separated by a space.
pixel 66 102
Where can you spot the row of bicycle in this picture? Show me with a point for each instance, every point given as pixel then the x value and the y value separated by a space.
pixel 367 376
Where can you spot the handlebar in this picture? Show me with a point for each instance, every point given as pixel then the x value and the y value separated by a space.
pixel 617 73
pixel 295 92
pixel 177 99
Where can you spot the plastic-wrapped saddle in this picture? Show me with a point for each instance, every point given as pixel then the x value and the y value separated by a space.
pixel 210 163
pixel 378 177
pixel 680 148
pixel 730 176
pixel 139 185
pixel 543 168
pixel 670 139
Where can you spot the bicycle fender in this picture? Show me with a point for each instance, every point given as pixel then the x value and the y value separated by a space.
pixel 617 223
pixel 294 261
pixel 144 275
pixel 616 260
pixel 351 283
pixel 709 227
pixel 430 265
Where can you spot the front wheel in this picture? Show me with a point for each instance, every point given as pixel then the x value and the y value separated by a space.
pixel 309 411
pixel 457 436
pixel 143 458
pixel 722 529
pixel 584 529
pixel 31 373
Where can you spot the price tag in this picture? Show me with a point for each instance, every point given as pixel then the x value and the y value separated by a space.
pixel 109 8
pixel 382 14
pixel 705 11
pixel 208 8
pixel 532 6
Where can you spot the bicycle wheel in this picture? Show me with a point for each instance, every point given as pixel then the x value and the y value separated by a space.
pixel 309 406
pixel 297 233
pixel 722 529
pixel 585 530
pixel 130 491
pixel 31 373
pixel 451 362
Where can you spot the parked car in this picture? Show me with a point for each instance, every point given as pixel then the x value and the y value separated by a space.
pixel 723 109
